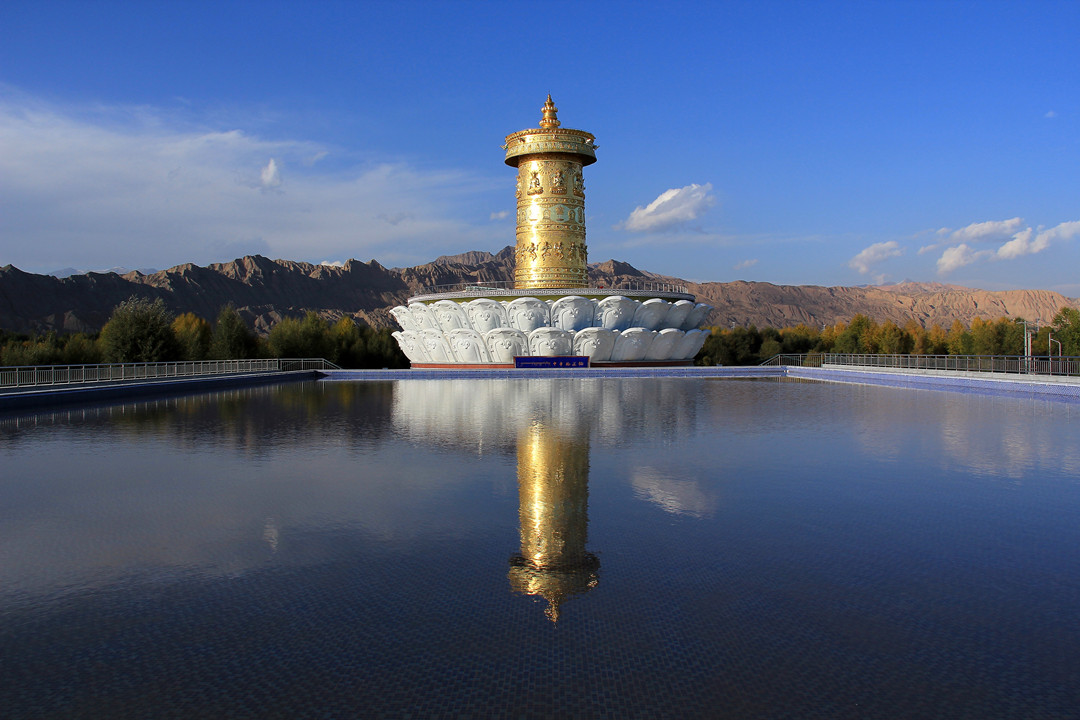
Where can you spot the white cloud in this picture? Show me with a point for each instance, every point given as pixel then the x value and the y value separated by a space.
pixel 1028 242
pixel 1050 114
pixel 270 176
pixel 333 263
pixel 957 257
pixel 136 187
pixel 989 230
pixel 501 215
pixel 1023 241
pixel 1062 231
pixel 672 207
pixel 942 235
pixel 876 253
pixel 1019 245
pixel 746 264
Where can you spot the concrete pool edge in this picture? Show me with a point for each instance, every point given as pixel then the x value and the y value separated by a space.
pixel 976 383
pixel 65 395
pixel 549 373
pixel 1022 385
pixel 1000 384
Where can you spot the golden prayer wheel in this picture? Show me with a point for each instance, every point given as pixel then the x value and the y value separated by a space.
pixel 550 251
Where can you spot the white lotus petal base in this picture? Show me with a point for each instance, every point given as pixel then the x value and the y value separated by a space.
pixel 610 329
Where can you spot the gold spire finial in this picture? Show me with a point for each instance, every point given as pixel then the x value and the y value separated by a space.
pixel 550 119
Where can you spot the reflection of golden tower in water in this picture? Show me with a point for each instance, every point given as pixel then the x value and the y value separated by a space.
pixel 553 492
pixel 550 249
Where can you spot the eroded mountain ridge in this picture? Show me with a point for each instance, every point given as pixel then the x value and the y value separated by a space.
pixel 265 290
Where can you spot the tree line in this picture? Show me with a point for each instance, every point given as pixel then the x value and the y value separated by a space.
pixel 141 330
pixel 750 345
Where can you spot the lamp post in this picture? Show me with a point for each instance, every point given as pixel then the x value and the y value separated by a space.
pixel 1050 351
pixel 1029 365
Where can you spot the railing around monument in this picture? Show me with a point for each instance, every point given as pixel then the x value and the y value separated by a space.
pixel 506 287
pixel 805 360
pixel 51 375
pixel 1010 364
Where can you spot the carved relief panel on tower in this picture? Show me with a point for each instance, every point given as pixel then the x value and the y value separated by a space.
pixel 536 178
pixel 558 179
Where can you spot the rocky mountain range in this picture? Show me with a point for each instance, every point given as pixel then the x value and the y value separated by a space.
pixel 265 290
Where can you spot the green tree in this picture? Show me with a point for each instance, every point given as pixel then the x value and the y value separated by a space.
pixel 937 340
pixel 770 347
pixel 738 346
pixel 139 331
pixel 857 337
pixel 798 339
pixel 959 340
pixel 316 332
pixel 33 350
pixel 920 338
pixel 193 335
pixel 310 337
pixel 1000 337
pixel 984 338
pixel 284 339
pixel 80 349
pixel 382 350
pixel 18 351
pixel 1011 334
pixel 827 339
pixel 891 340
pixel 1040 341
pixel 1066 330
pixel 232 339
pixel 347 343
pixel 50 349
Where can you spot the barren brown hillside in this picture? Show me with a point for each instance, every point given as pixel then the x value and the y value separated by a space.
pixel 764 304
pixel 266 290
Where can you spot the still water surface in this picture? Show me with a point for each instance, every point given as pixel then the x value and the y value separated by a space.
pixel 525 549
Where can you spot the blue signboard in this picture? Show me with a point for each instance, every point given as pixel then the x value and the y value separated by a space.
pixel 560 361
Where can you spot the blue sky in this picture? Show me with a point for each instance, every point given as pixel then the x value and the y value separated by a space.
pixel 824 143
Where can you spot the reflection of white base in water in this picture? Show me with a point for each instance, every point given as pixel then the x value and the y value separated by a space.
pixel 614 329
pixel 490 412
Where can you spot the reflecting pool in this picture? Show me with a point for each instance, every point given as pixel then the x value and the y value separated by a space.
pixel 543 548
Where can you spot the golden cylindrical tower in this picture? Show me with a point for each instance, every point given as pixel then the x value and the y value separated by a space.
pixel 550 250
